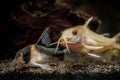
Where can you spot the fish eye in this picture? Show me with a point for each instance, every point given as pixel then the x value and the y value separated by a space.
pixel 74 32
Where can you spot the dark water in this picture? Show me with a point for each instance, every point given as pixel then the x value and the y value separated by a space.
pixel 12 35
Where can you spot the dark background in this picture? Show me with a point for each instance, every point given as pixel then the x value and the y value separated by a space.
pixel 108 12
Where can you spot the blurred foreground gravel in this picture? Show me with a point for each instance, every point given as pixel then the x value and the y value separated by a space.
pixel 93 71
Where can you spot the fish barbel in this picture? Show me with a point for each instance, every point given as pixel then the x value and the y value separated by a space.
pixel 81 37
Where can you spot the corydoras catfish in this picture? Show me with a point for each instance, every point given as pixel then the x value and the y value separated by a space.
pixel 39 54
pixel 81 38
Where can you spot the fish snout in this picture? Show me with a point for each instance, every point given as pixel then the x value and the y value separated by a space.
pixel 62 42
pixel 69 39
pixel 23 55
pixel 19 59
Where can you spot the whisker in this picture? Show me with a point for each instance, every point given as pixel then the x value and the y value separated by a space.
pixel 58 43
pixel 67 46
pixel 53 43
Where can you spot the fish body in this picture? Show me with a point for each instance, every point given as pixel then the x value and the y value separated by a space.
pixel 81 38
pixel 39 55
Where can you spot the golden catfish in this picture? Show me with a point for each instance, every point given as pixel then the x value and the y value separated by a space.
pixel 81 38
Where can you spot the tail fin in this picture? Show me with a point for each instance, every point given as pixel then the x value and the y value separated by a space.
pixel 117 40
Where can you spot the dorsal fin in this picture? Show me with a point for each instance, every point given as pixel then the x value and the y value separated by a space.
pixel 88 21
pixel 44 38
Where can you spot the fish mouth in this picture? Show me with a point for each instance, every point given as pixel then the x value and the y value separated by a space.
pixel 64 42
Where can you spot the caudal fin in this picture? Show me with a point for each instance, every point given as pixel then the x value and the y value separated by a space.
pixel 117 40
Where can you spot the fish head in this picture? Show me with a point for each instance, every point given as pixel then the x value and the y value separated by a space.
pixel 23 56
pixel 71 35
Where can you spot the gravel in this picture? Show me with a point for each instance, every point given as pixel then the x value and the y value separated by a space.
pixel 93 71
